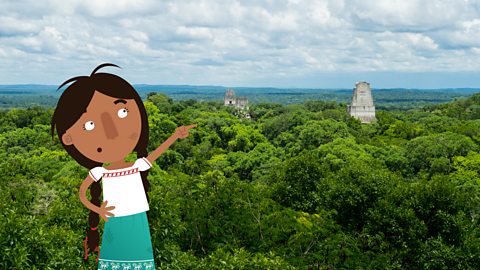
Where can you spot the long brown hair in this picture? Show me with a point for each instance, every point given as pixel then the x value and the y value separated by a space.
pixel 72 104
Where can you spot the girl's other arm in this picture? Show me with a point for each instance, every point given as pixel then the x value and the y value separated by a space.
pixel 180 133
pixel 103 210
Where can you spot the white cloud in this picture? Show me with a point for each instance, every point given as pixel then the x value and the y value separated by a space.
pixel 225 42
pixel 12 25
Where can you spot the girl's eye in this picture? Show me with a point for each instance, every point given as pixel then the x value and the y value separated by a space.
pixel 89 125
pixel 122 113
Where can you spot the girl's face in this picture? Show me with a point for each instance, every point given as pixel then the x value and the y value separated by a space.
pixel 108 131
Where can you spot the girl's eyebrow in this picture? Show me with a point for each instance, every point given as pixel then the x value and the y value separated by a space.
pixel 120 101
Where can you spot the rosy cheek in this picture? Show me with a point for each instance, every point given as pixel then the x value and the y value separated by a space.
pixel 133 136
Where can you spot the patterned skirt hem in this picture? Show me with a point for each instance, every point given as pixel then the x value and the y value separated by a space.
pixel 104 264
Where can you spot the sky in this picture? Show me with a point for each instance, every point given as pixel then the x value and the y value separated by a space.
pixel 257 43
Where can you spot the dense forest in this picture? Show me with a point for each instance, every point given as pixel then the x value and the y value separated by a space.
pixel 298 186
pixel 23 96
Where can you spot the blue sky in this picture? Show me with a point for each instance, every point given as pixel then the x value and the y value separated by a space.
pixel 296 43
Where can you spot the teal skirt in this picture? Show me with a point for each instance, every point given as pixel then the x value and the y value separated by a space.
pixel 126 243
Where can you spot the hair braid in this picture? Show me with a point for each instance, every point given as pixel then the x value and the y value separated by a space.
pixel 144 174
pixel 93 218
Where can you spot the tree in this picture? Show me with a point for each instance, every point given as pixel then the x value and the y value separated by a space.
pixel 426 151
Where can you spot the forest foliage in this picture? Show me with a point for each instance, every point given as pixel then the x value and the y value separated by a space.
pixel 299 186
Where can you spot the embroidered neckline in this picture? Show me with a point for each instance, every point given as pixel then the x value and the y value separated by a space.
pixel 126 168
pixel 119 169
pixel 123 172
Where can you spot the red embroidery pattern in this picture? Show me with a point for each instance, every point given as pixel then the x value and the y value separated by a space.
pixel 121 173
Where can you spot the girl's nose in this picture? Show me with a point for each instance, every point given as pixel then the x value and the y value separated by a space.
pixel 108 126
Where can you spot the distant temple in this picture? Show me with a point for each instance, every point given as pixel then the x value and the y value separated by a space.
pixel 241 103
pixel 362 106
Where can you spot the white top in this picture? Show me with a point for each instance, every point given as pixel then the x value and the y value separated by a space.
pixel 123 188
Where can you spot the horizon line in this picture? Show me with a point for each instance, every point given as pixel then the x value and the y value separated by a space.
pixel 264 87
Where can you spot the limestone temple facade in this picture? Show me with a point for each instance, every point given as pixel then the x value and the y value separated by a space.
pixel 362 106
pixel 241 103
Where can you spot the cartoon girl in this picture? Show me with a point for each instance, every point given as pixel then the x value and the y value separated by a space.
pixel 100 119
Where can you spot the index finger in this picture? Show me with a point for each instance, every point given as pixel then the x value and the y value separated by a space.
pixel 191 126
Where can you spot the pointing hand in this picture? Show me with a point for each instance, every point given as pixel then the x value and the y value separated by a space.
pixel 182 131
